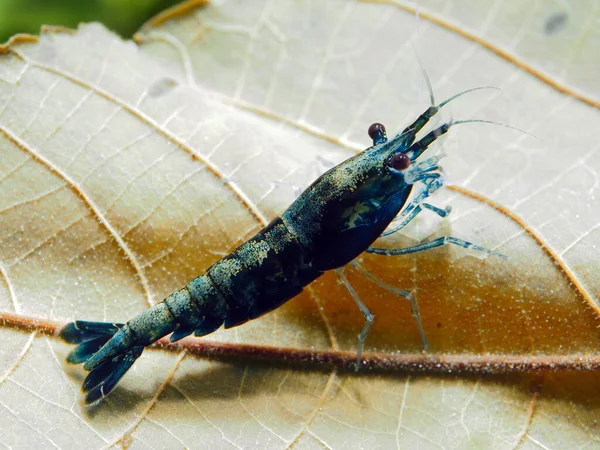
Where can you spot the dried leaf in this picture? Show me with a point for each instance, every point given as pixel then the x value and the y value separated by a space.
pixel 127 169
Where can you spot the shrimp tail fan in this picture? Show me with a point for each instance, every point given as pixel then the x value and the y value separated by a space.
pixel 89 338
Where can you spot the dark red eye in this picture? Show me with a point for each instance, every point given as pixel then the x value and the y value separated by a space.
pixel 400 161
pixel 377 133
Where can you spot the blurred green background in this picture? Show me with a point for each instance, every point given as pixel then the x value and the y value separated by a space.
pixel 123 16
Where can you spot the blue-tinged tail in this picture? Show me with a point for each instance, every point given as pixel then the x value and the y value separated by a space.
pixel 90 337
pixel 108 350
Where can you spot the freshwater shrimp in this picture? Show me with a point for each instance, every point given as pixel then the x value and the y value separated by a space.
pixel 331 223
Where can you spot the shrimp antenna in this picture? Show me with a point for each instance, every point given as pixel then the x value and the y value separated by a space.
pixel 418 124
pixel 460 94
pixel 425 75
pixel 418 148
pixel 456 122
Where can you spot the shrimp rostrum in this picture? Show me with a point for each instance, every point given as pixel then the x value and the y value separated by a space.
pixel 332 222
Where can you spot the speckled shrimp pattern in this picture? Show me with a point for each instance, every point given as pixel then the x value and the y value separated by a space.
pixel 333 221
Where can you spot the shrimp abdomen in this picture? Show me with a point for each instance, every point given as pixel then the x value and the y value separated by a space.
pixel 262 273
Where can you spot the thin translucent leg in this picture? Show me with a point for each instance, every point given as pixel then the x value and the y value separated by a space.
pixel 439 211
pixel 413 208
pixel 432 244
pixel 414 306
pixel 411 213
pixel 363 309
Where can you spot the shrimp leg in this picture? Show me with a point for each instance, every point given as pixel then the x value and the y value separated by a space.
pixel 432 244
pixel 364 310
pixel 414 305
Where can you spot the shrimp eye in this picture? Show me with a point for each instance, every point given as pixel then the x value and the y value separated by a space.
pixel 377 133
pixel 400 161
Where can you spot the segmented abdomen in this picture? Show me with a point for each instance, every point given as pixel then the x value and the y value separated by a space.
pixel 257 277
pixel 262 273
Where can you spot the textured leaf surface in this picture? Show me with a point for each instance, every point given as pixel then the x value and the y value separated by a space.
pixel 127 169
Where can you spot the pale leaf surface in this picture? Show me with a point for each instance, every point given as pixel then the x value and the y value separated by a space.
pixel 127 169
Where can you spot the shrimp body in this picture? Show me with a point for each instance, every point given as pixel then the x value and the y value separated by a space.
pixel 333 221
